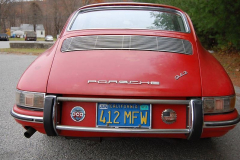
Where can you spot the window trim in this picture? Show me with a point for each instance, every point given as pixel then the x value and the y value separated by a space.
pixel 147 8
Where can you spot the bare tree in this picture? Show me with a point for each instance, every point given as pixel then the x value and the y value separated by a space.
pixel 36 15
pixel 71 6
pixel 57 16
pixel 52 13
pixel 4 11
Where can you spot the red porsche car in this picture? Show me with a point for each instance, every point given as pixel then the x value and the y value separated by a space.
pixel 126 70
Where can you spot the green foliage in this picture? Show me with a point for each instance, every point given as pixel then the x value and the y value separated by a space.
pixel 164 21
pixel 217 23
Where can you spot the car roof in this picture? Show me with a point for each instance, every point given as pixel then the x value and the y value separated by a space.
pixel 129 4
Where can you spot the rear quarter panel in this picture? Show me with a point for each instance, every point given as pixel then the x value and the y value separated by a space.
pixel 215 80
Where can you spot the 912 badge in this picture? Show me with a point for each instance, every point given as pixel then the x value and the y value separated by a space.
pixel 77 114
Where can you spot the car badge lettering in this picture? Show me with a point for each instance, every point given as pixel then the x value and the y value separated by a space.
pixel 181 74
pixel 77 114
pixel 123 82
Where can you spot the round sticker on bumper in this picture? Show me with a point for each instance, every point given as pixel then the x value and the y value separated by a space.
pixel 77 114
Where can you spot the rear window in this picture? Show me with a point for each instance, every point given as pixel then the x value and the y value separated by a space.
pixel 129 19
pixel 3 34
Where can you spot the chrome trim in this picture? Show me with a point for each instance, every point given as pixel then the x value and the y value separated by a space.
pixel 231 96
pixel 96 114
pixel 151 116
pixel 155 83
pixel 122 82
pixel 30 109
pixel 26 117
pixel 123 130
pixel 30 91
pixel 131 7
pixel 190 118
pixel 181 74
pixel 219 124
pixel 72 20
pixel 116 100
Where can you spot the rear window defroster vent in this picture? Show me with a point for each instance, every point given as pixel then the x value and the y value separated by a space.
pixel 127 42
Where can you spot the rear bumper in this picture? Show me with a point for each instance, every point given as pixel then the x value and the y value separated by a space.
pixel 219 124
pixel 198 125
pixel 206 124
pixel 27 118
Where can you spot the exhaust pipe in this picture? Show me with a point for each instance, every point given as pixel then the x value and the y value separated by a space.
pixel 30 131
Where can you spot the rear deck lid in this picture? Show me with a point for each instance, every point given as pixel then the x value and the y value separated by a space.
pixel 125 73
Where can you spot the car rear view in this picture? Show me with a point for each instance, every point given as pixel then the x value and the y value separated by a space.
pixel 31 36
pixel 49 38
pixel 126 70
pixel 4 37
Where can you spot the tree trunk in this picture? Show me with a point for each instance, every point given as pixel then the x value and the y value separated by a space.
pixel 0 17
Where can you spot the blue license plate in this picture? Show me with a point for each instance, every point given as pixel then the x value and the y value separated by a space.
pixel 124 115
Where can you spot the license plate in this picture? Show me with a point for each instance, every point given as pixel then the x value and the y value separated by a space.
pixel 124 115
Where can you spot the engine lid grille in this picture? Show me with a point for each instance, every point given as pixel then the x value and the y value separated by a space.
pixel 127 42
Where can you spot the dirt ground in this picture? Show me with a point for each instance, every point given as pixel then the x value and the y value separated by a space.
pixel 231 63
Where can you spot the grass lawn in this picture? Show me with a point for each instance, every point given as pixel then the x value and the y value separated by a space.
pixel 23 50
pixel 16 39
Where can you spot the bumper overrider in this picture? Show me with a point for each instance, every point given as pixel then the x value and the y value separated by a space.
pixel 195 117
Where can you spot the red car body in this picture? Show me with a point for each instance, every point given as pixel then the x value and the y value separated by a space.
pixel 173 85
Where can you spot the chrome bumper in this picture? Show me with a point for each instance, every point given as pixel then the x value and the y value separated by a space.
pixel 195 117
pixel 119 130
pixel 219 124
pixel 123 130
pixel 26 117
